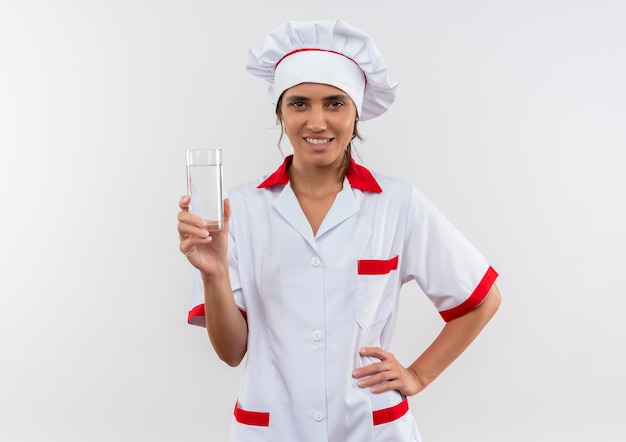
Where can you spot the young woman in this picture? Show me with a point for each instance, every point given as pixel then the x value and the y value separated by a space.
pixel 305 277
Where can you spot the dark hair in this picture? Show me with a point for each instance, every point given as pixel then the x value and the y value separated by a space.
pixel 343 170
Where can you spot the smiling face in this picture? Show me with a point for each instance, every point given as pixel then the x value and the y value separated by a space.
pixel 319 121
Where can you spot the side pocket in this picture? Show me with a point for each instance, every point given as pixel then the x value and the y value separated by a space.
pixel 252 418
pixel 390 414
pixel 250 425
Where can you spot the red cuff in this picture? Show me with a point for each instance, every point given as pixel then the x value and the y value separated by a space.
pixel 196 315
pixel 478 296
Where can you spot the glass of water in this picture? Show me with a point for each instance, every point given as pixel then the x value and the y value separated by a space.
pixel 204 185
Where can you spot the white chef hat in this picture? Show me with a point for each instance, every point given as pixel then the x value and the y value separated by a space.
pixel 328 52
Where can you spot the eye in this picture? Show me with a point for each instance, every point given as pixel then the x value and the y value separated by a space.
pixel 335 105
pixel 297 104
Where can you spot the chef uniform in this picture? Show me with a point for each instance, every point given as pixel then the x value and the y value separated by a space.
pixel 313 300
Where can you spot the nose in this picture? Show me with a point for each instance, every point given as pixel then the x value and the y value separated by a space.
pixel 317 120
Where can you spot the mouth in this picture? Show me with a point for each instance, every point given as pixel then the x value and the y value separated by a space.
pixel 318 141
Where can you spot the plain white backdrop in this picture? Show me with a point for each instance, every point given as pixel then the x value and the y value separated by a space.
pixel 511 118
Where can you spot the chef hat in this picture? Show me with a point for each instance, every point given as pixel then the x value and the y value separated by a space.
pixel 328 52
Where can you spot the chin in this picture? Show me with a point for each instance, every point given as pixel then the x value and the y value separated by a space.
pixel 322 156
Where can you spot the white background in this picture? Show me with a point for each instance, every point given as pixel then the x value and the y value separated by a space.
pixel 511 118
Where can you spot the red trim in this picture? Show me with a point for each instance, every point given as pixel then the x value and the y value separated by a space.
pixel 390 414
pixel 379 417
pixel 478 296
pixel 197 311
pixel 358 176
pixel 361 178
pixel 280 176
pixel 253 418
pixel 315 49
pixel 377 266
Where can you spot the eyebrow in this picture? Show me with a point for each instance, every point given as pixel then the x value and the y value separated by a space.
pixel 297 98
pixel 292 98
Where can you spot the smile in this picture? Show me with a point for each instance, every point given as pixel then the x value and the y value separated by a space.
pixel 317 141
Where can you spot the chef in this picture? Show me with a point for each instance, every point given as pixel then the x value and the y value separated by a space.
pixel 305 278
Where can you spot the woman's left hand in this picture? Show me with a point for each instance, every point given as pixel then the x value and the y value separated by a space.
pixel 388 374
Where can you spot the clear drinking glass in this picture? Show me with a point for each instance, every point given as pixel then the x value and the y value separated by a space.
pixel 204 185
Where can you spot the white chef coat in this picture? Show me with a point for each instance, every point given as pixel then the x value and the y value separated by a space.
pixel 311 301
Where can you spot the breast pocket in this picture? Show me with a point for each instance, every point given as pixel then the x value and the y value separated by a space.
pixel 376 288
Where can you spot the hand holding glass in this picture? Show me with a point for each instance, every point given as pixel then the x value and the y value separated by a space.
pixel 204 185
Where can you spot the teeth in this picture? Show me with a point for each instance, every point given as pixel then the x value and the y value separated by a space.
pixel 317 140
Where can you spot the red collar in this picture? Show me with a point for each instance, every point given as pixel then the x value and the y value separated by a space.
pixel 358 177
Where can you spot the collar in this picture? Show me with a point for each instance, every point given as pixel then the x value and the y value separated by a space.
pixel 358 177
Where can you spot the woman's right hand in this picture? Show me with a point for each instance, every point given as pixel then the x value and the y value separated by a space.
pixel 205 250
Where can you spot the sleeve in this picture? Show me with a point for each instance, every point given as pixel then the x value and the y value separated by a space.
pixel 195 315
pixel 448 268
pixel 233 269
